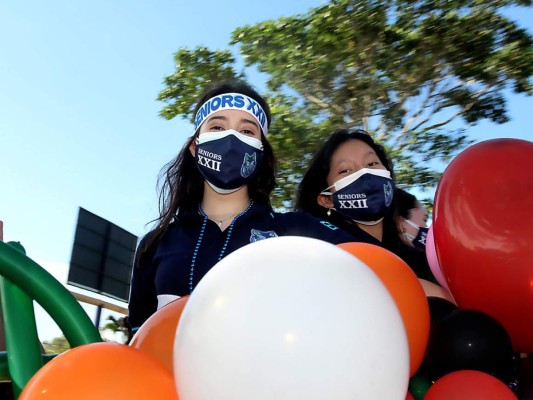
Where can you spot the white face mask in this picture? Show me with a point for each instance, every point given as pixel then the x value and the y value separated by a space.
pixel 210 136
pixel 407 235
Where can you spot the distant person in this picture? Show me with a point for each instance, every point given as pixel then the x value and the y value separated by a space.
pixel 411 220
pixel 215 200
pixel 350 182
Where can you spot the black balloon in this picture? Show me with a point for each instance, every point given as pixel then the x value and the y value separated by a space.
pixel 469 339
pixel 439 308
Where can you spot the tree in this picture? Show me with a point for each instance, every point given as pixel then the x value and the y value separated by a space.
pixel 56 346
pixel 415 74
pixel 114 331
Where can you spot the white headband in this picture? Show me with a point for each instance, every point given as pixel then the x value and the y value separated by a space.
pixel 232 101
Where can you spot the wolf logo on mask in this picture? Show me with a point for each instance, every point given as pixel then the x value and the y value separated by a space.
pixel 389 193
pixel 248 164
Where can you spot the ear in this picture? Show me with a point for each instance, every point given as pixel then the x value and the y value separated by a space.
pixel 324 201
pixel 192 147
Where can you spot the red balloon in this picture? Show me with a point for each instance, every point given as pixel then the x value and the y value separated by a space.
pixel 156 336
pixel 469 385
pixel 483 229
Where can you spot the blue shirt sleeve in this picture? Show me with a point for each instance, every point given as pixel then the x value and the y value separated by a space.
pixel 143 296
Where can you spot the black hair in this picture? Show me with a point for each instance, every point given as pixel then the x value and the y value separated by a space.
pixel 180 182
pixel 405 202
pixel 315 180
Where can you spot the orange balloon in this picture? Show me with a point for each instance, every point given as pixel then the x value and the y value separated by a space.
pixel 156 335
pixel 101 371
pixel 406 291
pixel 433 290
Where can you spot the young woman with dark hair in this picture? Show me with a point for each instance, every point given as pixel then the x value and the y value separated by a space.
pixel 350 181
pixel 411 219
pixel 214 200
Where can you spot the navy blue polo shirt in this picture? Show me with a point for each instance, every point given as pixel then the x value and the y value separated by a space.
pixel 167 270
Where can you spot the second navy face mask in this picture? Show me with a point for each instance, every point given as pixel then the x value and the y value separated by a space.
pixel 364 196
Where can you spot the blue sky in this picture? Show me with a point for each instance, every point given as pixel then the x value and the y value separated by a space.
pixel 79 122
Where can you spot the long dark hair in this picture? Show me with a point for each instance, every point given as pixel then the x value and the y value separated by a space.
pixel 180 183
pixel 315 180
pixel 405 202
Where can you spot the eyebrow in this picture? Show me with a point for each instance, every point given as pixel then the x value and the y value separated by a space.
pixel 251 122
pixel 223 118
pixel 368 153
pixel 216 117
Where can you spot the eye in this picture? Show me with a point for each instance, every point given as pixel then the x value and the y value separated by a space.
pixel 248 132
pixel 373 164
pixel 216 128
pixel 345 171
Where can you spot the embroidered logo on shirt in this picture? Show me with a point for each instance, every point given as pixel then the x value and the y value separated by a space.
pixel 329 225
pixel 257 235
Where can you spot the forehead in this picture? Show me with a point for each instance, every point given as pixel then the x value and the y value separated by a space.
pixel 352 150
pixel 232 116
pixel 419 209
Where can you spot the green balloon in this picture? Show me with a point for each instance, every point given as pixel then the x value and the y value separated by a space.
pixel 418 386
pixel 17 246
pixel 22 281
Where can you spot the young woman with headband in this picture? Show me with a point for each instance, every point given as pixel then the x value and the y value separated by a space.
pixel 214 200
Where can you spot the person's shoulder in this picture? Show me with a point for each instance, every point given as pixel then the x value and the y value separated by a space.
pixel 415 258
pixel 257 212
pixel 261 208
pixel 358 234
pixel 147 238
pixel 150 241
pixel 296 217
pixel 303 223
pixel 402 249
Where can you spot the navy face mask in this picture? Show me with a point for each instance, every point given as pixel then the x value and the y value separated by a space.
pixel 364 196
pixel 228 159
pixel 419 241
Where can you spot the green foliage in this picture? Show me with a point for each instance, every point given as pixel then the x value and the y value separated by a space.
pixel 194 71
pixel 56 346
pixel 415 74
pixel 114 326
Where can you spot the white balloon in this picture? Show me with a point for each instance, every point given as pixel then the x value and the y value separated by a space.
pixel 291 318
